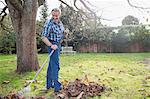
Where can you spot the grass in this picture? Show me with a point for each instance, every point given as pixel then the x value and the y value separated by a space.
pixel 122 73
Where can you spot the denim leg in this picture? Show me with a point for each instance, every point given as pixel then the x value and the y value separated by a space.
pixel 49 79
pixel 55 69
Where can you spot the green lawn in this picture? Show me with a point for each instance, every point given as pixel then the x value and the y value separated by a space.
pixel 123 73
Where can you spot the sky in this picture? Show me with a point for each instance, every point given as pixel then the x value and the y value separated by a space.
pixel 113 10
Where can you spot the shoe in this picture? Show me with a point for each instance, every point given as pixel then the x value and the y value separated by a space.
pixel 57 86
pixel 52 86
pixel 58 90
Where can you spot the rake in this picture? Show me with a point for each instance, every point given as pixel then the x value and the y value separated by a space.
pixel 27 87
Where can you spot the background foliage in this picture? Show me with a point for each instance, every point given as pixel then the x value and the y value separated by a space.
pixel 84 30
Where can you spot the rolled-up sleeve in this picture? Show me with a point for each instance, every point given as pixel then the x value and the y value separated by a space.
pixel 45 31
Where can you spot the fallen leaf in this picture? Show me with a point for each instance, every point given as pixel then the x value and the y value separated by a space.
pixel 5 82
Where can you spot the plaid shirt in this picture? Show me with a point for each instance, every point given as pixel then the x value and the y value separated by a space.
pixel 53 31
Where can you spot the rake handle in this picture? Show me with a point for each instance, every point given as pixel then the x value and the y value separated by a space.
pixel 40 69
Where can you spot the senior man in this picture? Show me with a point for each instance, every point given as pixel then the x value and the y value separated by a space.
pixel 52 35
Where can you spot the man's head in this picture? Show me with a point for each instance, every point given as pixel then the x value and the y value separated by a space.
pixel 55 14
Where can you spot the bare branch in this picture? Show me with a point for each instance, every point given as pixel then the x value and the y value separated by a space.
pixel 87 7
pixel 90 3
pixel 3 10
pixel 66 4
pixel 41 2
pixel 6 28
pixel 3 3
pixel 80 12
pixel 95 16
pixel 1 20
pixel 137 6
pixel 17 4
pixel 75 4
pixel 83 14
pixel 3 13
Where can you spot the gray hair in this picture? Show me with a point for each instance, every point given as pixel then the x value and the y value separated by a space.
pixel 56 10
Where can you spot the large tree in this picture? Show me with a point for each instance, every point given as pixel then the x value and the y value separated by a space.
pixel 23 16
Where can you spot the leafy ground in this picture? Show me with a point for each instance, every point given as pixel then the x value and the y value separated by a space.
pixel 124 74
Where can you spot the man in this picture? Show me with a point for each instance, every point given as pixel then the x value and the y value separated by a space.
pixel 52 36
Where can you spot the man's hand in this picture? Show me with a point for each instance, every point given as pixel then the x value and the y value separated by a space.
pixel 54 47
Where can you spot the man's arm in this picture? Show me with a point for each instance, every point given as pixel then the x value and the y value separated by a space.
pixel 46 41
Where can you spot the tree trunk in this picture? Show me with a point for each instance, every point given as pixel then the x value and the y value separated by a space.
pixel 24 25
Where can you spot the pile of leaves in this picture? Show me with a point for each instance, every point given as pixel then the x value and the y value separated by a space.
pixel 11 96
pixel 79 89
pixel 16 96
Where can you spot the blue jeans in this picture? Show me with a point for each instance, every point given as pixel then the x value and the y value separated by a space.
pixel 53 70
